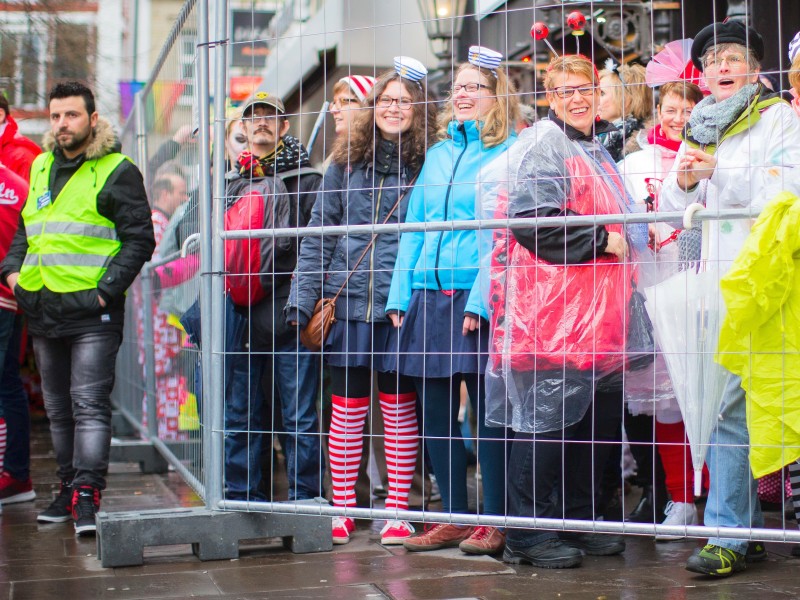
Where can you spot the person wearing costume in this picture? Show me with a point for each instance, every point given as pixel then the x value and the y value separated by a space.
pixel 743 143
pixel 372 166
pixel 558 299
pixel 435 298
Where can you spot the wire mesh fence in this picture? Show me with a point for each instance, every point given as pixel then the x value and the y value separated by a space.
pixel 526 325
pixel 158 372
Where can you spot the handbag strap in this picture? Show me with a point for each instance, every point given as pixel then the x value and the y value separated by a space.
pixel 374 237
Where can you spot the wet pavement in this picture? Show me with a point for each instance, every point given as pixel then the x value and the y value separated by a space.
pixel 42 562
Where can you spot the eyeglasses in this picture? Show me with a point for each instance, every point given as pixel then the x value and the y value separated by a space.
pixel 341 103
pixel 732 60
pixel 567 91
pixel 387 101
pixel 254 118
pixel 470 88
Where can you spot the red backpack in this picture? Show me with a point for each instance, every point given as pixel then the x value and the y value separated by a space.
pixel 262 203
pixel 243 260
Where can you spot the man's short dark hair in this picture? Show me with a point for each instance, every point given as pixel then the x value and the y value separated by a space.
pixel 68 89
pixel 163 183
pixel 4 103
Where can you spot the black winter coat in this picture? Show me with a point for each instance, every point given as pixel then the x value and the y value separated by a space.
pixel 360 195
pixel 122 200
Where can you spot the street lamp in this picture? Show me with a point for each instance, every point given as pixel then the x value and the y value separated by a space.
pixel 444 20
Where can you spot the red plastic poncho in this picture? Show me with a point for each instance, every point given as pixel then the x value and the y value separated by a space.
pixel 555 328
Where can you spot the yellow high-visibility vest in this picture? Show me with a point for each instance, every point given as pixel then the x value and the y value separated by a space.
pixel 69 243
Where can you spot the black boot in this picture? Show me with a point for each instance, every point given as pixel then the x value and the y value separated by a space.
pixel 651 506
pixel 644 511
pixel 609 505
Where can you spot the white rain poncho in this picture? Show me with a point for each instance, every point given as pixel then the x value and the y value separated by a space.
pixel 557 329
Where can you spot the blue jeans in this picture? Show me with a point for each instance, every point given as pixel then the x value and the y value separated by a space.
pixel 77 378
pixel 243 425
pixel 445 447
pixel 293 373
pixel 6 331
pixel 732 498
pixel 14 405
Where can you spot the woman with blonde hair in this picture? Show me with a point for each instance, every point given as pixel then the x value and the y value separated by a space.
pixel 626 101
pixel 436 302
pixel 371 169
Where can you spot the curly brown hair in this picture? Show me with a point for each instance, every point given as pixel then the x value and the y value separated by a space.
pixel 359 145
pixel 500 120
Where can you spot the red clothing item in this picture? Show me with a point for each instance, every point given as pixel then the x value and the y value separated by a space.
pixel 13 194
pixel 16 151
pixel 656 136
pixel 574 314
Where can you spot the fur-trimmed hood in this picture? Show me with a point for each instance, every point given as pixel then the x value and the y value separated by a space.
pixel 104 140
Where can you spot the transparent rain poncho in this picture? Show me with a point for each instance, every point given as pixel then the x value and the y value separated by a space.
pixel 557 331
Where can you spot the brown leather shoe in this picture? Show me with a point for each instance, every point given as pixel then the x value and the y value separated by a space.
pixel 484 540
pixel 441 535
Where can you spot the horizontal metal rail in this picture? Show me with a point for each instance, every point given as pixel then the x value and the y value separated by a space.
pixel 486 224
pixel 697 531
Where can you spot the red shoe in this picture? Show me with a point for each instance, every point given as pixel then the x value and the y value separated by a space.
pixel 15 490
pixel 441 535
pixel 342 527
pixel 394 533
pixel 484 540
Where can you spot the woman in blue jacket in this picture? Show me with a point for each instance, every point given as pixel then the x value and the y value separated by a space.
pixel 435 297
pixel 371 169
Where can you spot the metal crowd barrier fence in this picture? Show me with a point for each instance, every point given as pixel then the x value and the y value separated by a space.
pixel 196 446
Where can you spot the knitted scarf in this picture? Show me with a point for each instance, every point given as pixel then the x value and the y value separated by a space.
pixel 288 154
pixel 710 119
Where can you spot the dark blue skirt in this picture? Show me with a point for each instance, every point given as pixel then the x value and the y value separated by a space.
pixel 431 342
pixel 361 344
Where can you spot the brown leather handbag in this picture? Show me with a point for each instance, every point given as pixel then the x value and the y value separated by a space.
pixel 314 334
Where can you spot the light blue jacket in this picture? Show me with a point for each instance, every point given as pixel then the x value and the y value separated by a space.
pixel 445 191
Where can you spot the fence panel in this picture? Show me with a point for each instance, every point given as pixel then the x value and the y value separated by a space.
pixel 465 416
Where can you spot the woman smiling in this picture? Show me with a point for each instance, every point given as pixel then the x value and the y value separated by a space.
pixel 558 299
pixel 435 296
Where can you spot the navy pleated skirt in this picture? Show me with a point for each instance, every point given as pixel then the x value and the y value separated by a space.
pixel 361 344
pixel 431 342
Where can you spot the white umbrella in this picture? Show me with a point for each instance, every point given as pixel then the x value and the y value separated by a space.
pixel 687 311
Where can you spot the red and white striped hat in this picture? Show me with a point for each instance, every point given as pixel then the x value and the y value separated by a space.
pixel 360 85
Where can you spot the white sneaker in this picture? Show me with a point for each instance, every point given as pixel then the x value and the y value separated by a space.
pixel 679 514
pixel 394 533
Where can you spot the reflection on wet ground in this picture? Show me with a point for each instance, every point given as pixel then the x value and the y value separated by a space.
pixel 40 562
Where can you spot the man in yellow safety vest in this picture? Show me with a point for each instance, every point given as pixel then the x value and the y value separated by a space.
pixel 84 234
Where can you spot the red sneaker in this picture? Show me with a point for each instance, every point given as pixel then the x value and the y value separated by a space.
pixel 441 535
pixel 394 533
pixel 342 527
pixel 15 490
pixel 484 540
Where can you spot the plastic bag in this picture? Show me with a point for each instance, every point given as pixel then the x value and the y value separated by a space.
pixel 640 345
pixel 556 329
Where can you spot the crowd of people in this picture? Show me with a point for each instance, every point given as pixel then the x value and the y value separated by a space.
pixel 531 327
pixel 528 325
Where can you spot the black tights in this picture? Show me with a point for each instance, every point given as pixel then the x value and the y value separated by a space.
pixel 356 382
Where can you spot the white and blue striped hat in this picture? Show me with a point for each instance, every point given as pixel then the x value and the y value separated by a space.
pixel 409 68
pixel 794 47
pixel 485 58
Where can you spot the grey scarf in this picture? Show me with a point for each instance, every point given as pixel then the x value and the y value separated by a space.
pixel 710 119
